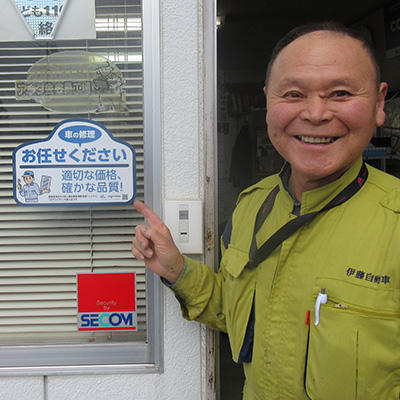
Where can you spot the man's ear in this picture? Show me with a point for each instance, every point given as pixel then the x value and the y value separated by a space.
pixel 265 90
pixel 380 104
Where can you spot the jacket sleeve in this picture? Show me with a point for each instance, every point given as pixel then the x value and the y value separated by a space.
pixel 199 289
pixel 199 292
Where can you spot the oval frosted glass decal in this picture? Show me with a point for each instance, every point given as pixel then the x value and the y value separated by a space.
pixel 74 81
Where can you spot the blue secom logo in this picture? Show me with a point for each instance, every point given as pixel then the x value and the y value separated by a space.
pixel 106 320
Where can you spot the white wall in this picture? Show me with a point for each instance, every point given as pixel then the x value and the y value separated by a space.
pixel 181 113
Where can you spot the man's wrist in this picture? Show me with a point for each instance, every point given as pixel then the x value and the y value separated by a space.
pixel 174 274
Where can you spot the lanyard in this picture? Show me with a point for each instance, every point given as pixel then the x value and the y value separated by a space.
pixel 257 255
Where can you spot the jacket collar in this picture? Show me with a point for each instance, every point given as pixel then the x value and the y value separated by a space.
pixel 314 200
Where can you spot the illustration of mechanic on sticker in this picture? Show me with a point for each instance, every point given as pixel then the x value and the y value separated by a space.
pixel 31 191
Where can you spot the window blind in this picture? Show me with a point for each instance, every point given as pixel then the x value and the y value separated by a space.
pixel 43 248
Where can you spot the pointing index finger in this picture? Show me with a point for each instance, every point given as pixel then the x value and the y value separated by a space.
pixel 148 213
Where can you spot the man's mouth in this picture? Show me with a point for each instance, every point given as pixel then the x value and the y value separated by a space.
pixel 316 140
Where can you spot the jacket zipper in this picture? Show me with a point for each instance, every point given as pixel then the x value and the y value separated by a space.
pixel 306 364
pixel 340 305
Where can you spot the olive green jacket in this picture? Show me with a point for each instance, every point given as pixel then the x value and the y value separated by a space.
pixel 352 251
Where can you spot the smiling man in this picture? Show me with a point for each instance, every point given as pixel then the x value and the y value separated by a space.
pixel 323 103
pixel 308 288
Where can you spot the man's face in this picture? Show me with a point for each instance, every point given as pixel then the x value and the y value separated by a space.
pixel 322 105
pixel 28 179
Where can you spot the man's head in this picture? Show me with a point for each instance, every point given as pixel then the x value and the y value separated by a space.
pixel 323 104
pixel 329 26
pixel 28 177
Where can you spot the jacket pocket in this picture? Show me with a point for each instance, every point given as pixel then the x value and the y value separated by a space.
pixel 354 351
pixel 238 293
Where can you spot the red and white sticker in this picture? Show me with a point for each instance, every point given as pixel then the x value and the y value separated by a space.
pixel 107 302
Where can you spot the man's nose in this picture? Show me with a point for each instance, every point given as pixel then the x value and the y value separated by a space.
pixel 316 110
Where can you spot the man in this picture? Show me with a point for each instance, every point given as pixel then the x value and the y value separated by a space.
pixel 31 190
pixel 309 282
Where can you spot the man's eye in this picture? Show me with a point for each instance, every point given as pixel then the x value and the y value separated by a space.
pixel 341 93
pixel 292 95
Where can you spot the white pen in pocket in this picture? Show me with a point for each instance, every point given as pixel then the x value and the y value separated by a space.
pixel 321 299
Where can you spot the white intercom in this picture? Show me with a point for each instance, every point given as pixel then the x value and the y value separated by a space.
pixel 184 218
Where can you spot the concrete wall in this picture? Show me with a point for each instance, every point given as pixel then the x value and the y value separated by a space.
pixel 182 172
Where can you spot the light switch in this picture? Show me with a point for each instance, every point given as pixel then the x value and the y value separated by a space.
pixel 184 219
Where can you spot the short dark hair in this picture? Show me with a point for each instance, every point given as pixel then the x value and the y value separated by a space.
pixel 330 26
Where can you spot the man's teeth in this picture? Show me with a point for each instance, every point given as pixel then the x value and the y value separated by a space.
pixel 316 140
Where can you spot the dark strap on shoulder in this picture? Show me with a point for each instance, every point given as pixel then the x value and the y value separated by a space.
pixel 262 215
pixel 257 255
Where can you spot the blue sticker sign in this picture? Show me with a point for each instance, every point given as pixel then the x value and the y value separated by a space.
pixel 80 163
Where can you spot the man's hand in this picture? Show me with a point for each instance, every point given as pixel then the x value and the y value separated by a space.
pixel 154 245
